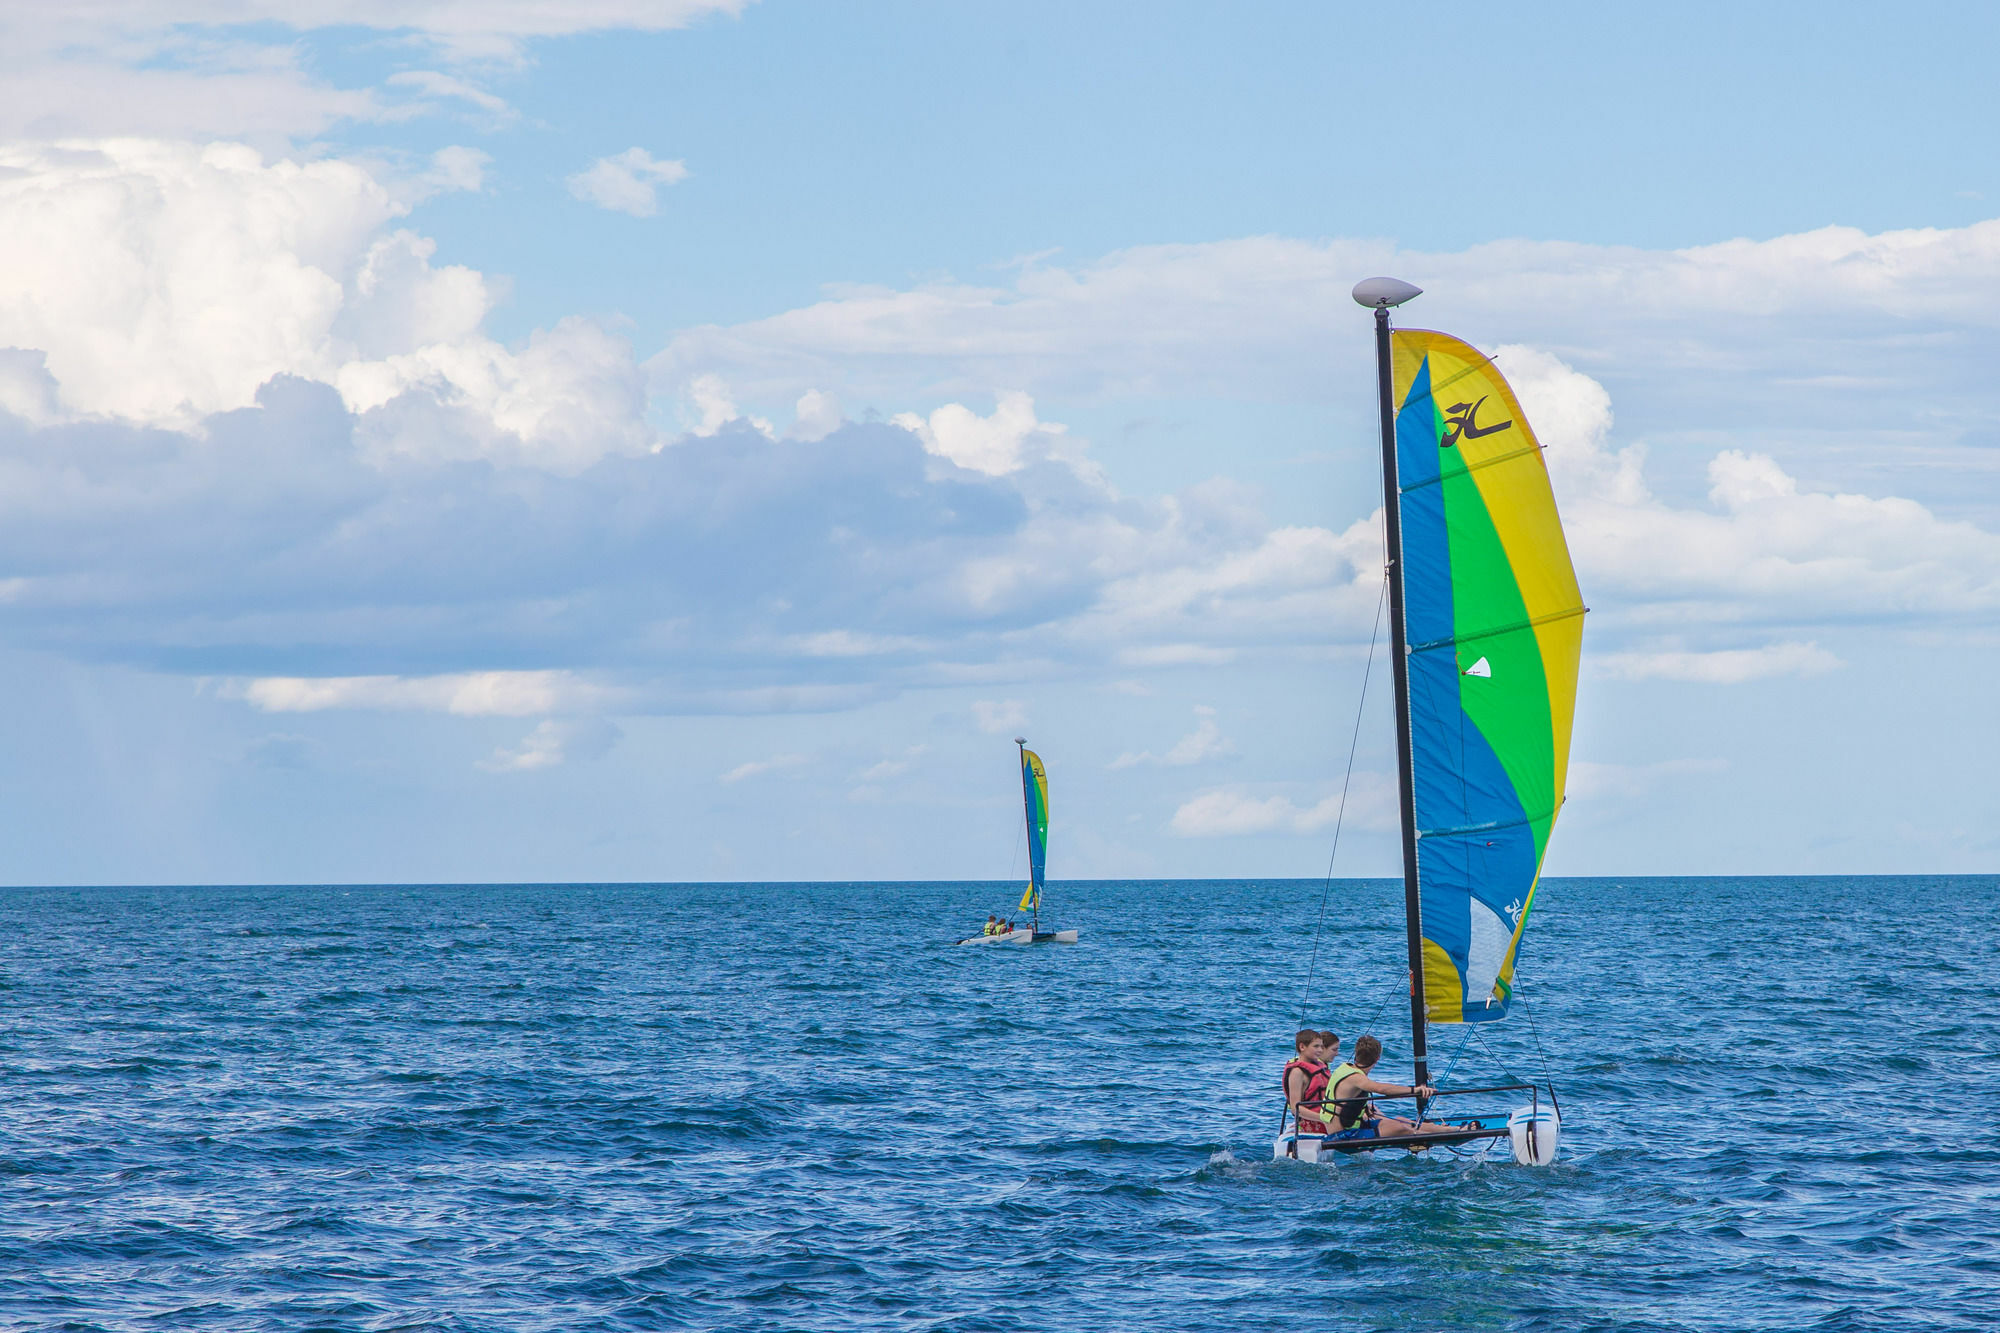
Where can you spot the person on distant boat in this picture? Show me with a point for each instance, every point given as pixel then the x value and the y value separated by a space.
pixel 1306 1080
pixel 992 925
pixel 1348 1087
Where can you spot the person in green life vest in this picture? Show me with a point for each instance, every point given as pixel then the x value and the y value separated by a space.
pixel 992 925
pixel 1348 1087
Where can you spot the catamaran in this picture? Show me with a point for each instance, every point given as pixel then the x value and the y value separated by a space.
pixel 1486 632
pixel 1035 800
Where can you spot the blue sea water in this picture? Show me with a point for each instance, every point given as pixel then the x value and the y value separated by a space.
pixel 797 1107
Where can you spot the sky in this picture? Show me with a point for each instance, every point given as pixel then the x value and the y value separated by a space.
pixel 689 439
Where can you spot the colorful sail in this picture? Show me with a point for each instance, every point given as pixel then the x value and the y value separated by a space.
pixel 1494 626
pixel 1035 791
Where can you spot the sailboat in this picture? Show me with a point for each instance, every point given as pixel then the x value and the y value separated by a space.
pixel 1035 802
pixel 1486 627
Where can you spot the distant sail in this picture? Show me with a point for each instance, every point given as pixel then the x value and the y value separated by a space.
pixel 1035 790
pixel 1495 628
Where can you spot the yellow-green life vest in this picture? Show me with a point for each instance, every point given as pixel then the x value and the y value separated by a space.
pixel 1335 1110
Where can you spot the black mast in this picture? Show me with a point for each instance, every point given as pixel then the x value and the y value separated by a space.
pixel 1381 293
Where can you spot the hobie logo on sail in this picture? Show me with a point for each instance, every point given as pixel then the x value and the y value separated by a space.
pixel 1481 668
pixel 1462 424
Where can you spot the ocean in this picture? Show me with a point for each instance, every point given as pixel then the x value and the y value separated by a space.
pixel 796 1106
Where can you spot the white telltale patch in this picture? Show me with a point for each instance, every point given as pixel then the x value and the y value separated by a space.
pixel 1481 668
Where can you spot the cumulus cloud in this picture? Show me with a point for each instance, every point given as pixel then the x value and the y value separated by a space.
pixel 1204 742
pixel 627 182
pixel 816 416
pixel 161 283
pixel 1766 549
pixel 1004 442
pixel 251 426
pixel 552 742
pixel 1232 812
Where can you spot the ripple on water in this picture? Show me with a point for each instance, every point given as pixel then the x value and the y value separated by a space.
pixel 698 1106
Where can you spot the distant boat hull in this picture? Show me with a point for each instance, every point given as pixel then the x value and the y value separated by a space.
pixel 1025 937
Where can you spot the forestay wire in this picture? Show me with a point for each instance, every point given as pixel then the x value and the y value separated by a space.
pixel 1340 813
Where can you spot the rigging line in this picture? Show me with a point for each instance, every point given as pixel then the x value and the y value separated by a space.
pixel 1340 814
pixel 1536 1029
pixel 1463 1041
pixel 1490 1055
pixel 1395 988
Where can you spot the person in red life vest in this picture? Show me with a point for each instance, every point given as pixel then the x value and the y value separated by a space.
pixel 1306 1078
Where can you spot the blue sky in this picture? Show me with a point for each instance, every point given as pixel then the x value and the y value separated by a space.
pixel 448 444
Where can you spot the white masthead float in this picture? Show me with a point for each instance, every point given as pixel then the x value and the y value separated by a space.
pixel 1486 631
pixel 1035 800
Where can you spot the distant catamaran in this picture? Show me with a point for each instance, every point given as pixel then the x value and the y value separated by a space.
pixel 1035 801
pixel 1486 631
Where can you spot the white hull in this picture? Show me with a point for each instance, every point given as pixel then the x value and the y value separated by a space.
pixel 1534 1133
pixel 1025 937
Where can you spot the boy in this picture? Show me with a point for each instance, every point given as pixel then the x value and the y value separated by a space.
pixel 1349 1086
pixel 1306 1079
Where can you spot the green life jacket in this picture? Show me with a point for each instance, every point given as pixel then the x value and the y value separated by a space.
pixel 1351 1110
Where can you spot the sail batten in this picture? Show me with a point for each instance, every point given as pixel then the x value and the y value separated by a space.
pixel 1482 560
pixel 1517 626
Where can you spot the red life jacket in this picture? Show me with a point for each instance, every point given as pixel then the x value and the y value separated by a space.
pixel 1316 1075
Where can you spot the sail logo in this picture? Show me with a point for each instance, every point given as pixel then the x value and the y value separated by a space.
pixel 1462 424
pixel 1482 668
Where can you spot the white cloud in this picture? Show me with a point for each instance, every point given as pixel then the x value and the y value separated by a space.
pixel 551 742
pixel 1204 742
pixel 467 694
pixel 162 67
pixel 1255 318
pixel 163 283
pixel 995 716
pixel 779 763
pixel 438 85
pixel 1005 442
pixel 889 768
pixel 1230 812
pixel 816 416
pixel 1767 549
pixel 848 643
pixel 715 407
pixel 1720 667
pixel 627 182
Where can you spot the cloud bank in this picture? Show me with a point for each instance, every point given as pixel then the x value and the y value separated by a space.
pixel 251 427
